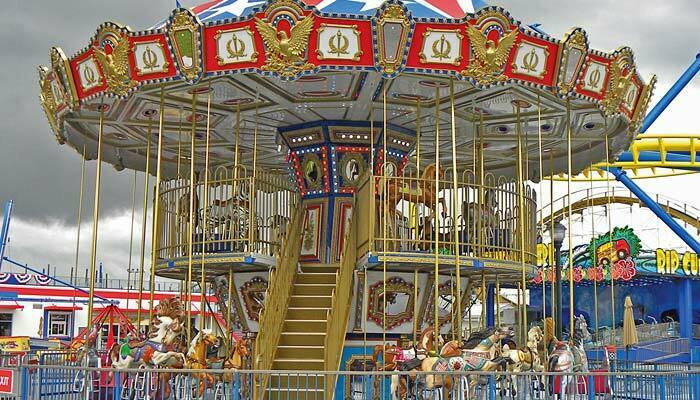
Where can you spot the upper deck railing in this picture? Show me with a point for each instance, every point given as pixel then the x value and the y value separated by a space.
pixel 482 220
pixel 244 212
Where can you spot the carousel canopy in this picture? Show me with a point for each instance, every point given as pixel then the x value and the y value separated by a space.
pixel 284 63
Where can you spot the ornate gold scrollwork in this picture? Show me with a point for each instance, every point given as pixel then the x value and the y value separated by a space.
pixel 641 109
pixel 115 65
pixel 531 61
pixel 338 44
pixel 60 65
pixel 236 48
pixel 149 58
pixel 184 37
pixel 399 302
pixel 48 102
pixel 394 17
pixel 575 44
pixel 621 73
pixel 441 48
pixel 489 57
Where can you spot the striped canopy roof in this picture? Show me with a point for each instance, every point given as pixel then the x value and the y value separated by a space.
pixel 224 9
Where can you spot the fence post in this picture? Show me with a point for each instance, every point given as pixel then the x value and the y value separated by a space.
pixel 23 382
pixel 492 388
pixel 662 387
pixel 591 388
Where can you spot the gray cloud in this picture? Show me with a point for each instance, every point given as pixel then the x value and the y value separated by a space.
pixel 43 177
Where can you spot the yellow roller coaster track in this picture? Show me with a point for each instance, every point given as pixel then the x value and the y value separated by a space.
pixel 603 200
pixel 666 145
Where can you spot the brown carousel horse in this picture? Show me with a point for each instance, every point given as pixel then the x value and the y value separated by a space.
pixel 236 360
pixel 200 357
pixel 416 191
pixel 396 358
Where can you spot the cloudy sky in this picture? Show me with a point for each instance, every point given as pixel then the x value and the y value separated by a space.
pixel 43 177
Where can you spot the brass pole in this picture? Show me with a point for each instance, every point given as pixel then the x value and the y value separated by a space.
pixel 202 282
pixel 555 311
pixel 142 264
pixel 416 322
pixel 252 196
pixel 156 203
pixel 594 261
pixel 80 215
pixel 498 302
pixel 234 194
pixel 521 222
pixel 568 191
pixel 385 206
pixel 95 221
pixel 541 221
pixel 610 267
pixel 190 227
pixel 455 205
pixel 373 213
pixel 436 219
pixel 131 238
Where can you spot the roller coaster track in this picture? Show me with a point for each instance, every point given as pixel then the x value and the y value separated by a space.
pixel 650 156
pixel 598 197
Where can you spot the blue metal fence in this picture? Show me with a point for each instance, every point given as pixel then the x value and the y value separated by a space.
pixel 37 382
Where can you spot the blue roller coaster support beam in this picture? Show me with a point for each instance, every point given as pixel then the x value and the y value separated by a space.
pixel 677 87
pixel 622 177
pixel 491 305
pixel 7 212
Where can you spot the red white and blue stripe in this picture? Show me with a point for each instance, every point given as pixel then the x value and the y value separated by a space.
pixel 216 10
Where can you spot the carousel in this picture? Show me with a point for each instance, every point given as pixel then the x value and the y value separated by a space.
pixel 343 178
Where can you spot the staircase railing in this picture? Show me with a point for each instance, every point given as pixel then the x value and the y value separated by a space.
pixel 337 317
pixel 277 300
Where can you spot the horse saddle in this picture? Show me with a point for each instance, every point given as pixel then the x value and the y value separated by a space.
pixel 410 364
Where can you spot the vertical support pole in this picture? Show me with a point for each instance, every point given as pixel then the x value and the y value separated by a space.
pixel 156 206
pixel 490 304
pixel 685 308
pixel 7 212
pixel 95 220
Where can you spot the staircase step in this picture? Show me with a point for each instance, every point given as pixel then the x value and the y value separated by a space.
pixel 300 352
pixel 307 313
pixel 302 339
pixel 326 269
pixel 304 325
pixel 315 278
pixel 310 301
pixel 303 364
pixel 313 289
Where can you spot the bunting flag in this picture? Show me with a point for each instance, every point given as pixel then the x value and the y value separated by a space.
pixel 22 278
pixel 42 280
pixel 4 277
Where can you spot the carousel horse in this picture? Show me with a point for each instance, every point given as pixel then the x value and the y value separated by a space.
pixel 237 357
pixel 200 356
pixel 396 358
pixel 478 354
pixel 161 348
pixel 525 359
pixel 570 358
pixel 420 191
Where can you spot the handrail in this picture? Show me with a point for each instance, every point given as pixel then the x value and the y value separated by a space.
pixel 277 298
pixel 337 316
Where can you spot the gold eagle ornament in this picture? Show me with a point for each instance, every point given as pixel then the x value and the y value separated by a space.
pixel 285 54
pixel 115 66
pixel 489 57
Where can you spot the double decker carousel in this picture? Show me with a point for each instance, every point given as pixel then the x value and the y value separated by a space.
pixel 338 179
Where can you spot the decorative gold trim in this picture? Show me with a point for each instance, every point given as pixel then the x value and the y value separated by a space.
pixel 184 21
pixel 393 14
pixel 340 47
pixel 150 62
pixel 312 183
pixel 642 105
pixel 49 104
pixel 486 66
pixel 251 291
pixel 115 66
pixel 393 284
pixel 531 60
pixel 286 55
pixel 59 63
pixel 347 158
pixel 575 39
pixel 94 79
pixel 619 81
pixel 236 52
pixel 440 53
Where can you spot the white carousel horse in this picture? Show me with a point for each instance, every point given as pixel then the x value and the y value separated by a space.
pixel 526 359
pixel 570 358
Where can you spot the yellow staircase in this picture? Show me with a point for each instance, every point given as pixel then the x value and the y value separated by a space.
pixel 308 334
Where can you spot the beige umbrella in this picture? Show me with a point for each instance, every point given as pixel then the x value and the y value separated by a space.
pixel 629 330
